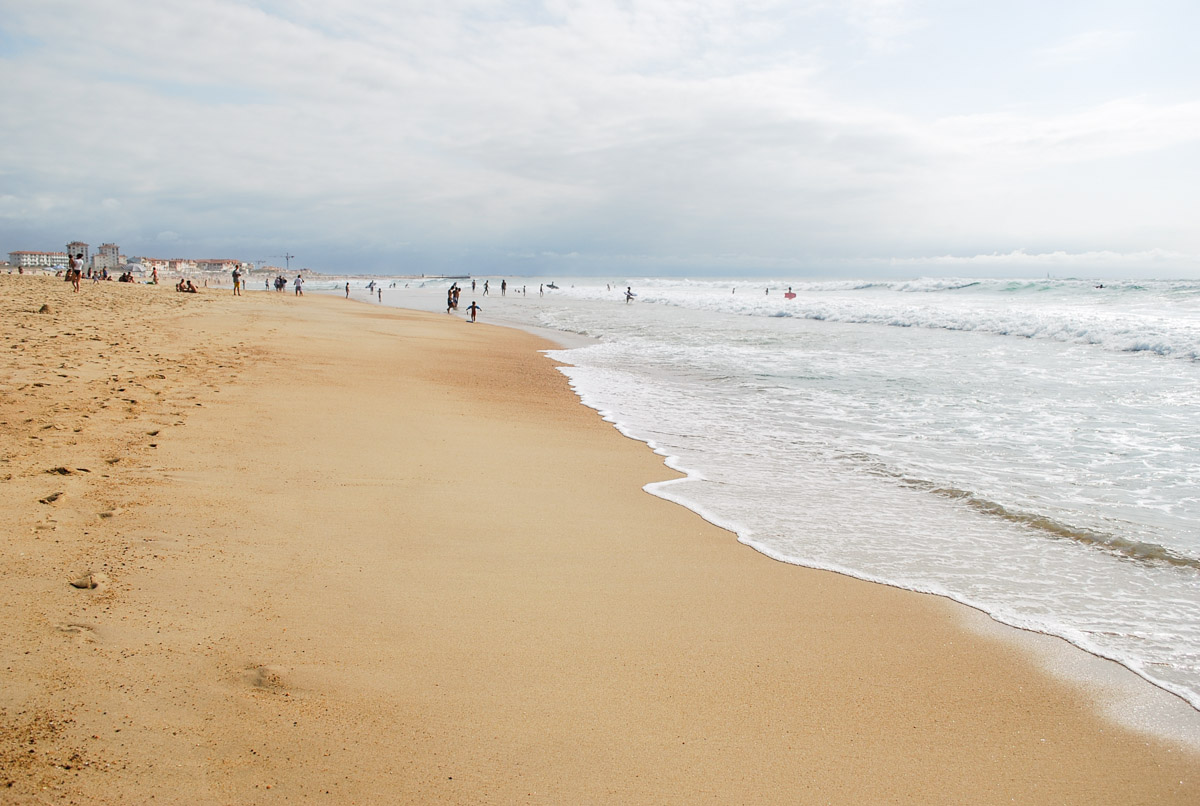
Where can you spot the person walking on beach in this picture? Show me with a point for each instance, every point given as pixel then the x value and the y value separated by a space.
pixel 629 295
pixel 299 283
pixel 473 309
pixel 237 283
pixel 347 291
pixel 504 288
pixel 75 270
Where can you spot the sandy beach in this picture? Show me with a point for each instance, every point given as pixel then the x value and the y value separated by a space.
pixel 279 549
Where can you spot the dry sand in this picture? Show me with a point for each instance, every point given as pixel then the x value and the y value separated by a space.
pixel 347 554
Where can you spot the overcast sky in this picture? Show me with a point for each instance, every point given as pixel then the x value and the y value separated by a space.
pixel 603 137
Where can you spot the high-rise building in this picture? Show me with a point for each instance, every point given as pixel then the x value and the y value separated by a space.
pixel 109 257
pixel 79 248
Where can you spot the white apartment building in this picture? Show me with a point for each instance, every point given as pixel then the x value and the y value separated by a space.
pixel 221 264
pixel 27 259
pixel 79 248
pixel 109 257
pixel 174 264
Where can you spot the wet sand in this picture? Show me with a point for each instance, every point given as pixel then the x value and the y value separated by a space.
pixel 331 552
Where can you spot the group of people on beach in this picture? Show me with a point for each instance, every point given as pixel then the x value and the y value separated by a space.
pixel 452 295
pixel 74 273
pixel 280 282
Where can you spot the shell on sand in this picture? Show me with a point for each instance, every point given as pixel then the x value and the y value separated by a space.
pixel 90 581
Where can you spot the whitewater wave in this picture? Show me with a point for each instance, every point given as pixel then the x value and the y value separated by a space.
pixel 1156 317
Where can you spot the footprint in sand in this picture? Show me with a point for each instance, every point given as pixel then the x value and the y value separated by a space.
pixel 85 633
pixel 270 678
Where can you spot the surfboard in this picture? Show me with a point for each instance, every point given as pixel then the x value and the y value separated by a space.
pixel 790 295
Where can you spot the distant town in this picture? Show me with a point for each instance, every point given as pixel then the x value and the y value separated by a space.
pixel 108 260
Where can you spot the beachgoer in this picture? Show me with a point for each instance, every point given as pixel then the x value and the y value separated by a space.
pixel 503 287
pixel 473 309
pixel 76 271
pixel 629 295
pixel 237 283
pixel 299 283
pixel 347 291
pixel 379 290
pixel 485 288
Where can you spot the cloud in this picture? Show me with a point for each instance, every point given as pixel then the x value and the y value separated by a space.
pixel 1086 46
pixel 472 130
pixel 1112 129
pixel 884 24
pixel 1058 259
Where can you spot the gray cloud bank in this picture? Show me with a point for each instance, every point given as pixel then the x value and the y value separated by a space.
pixel 578 135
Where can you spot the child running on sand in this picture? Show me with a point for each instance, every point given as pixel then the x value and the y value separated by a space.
pixel 473 309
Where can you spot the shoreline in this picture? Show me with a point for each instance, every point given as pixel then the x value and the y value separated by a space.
pixel 1130 698
pixel 371 555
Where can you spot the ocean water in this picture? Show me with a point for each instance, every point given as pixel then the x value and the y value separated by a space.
pixel 1030 448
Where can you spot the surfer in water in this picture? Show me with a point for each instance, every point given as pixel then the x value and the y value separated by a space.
pixel 629 295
